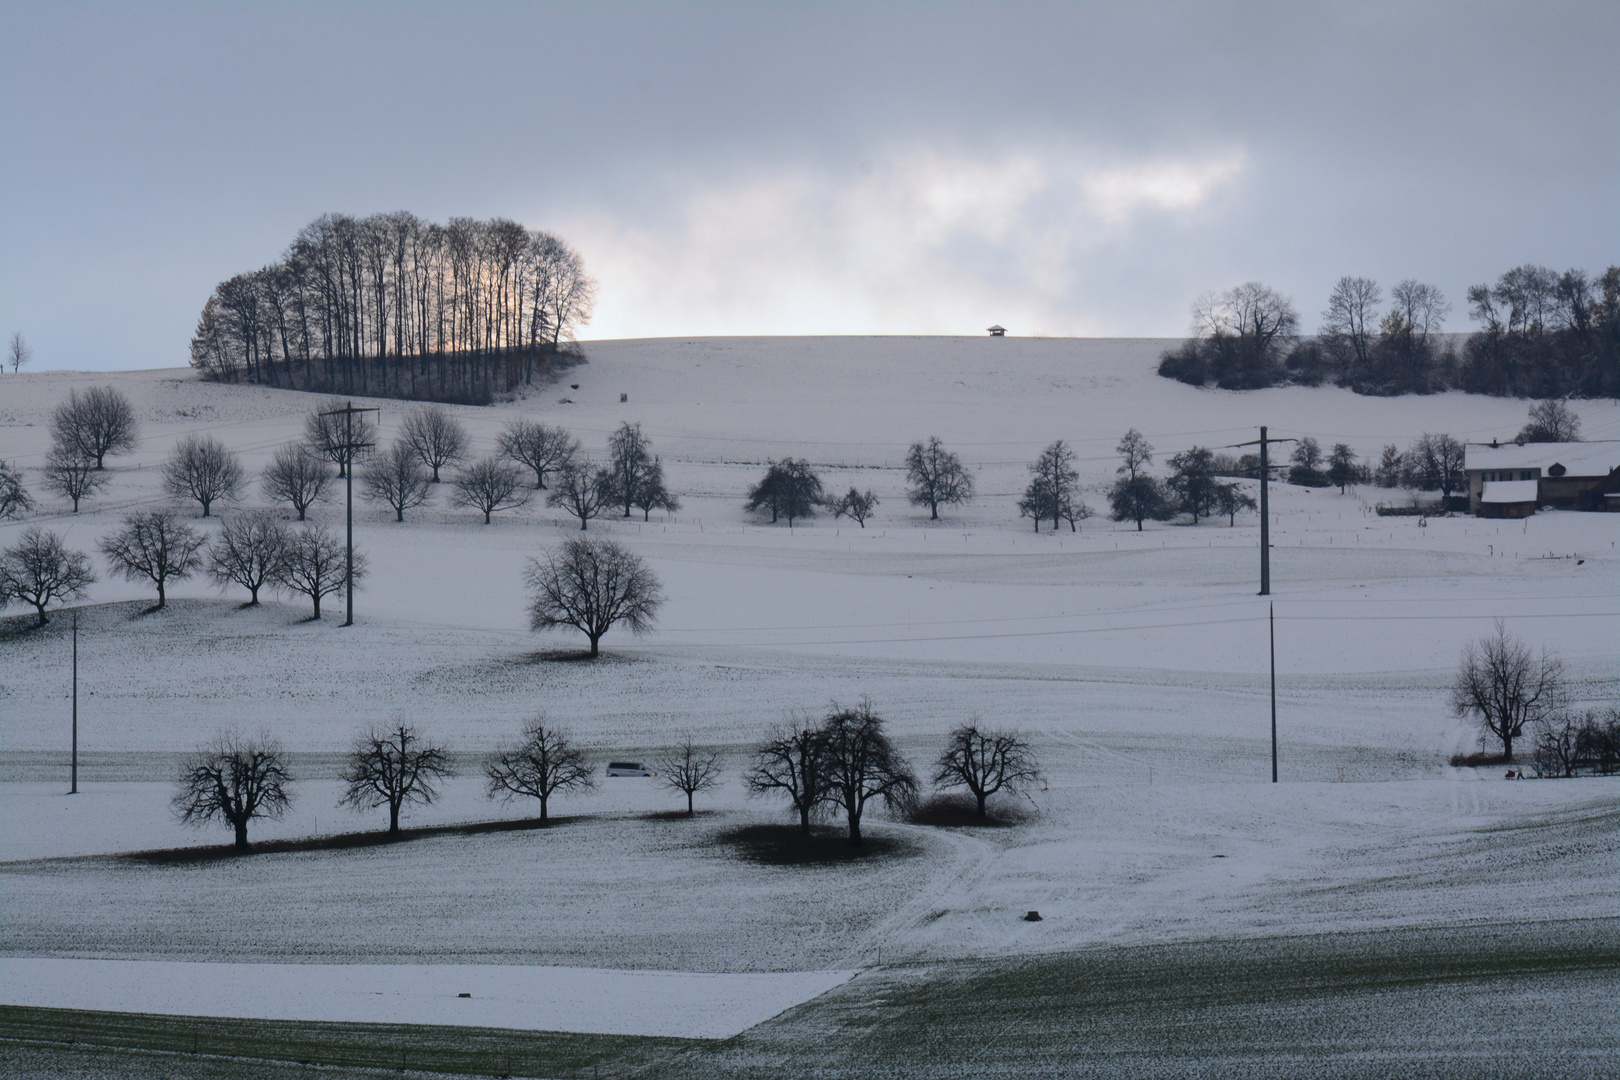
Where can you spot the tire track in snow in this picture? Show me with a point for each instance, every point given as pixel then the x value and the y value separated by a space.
pixel 950 887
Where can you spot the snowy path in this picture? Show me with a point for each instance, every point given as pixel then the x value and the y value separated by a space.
pixel 670 1004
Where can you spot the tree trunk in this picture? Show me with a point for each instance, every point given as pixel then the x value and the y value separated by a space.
pixel 855 829
pixel 241 835
pixel 689 810
pixel 594 639
pixel 399 513
pixel 542 806
pixel 317 603
pixel 393 818
pixel 933 511
pixel 160 594
pixel 1507 746
pixel 980 795
pixel 253 590
pixel 804 820
pixel 42 619
pixel 486 517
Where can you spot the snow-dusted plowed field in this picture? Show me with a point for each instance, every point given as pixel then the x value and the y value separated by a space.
pixel 1136 663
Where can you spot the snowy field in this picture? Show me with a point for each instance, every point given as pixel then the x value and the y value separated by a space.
pixel 1137 663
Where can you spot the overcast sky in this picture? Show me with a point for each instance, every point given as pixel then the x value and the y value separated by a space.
pixel 1063 169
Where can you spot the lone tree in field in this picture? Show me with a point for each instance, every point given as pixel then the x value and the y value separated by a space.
pixel 861 764
pixel 987 762
pixel 297 476
pixel 790 488
pixel 233 779
pixel 537 446
pixel 1550 421
pixel 38 569
pixel 582 489
pixel 1342 466
pixel 936 477
pixel 342 440
pixel 1137 496
pixel 203 470
pixel 855 504
pixel 1192 479
pixel 543 763
pixel 1503 686
pixel 488 486
pixel 1559 742
pixel 1054 486
pixel 154 546
pixel 17 352
pixel 392 768
pixel 315 566
pixel 14 498
pixel 689 770
pixel 95 423
pixel 72 475
pixel 435 437
pixel 396 477
pixel 250 551
pixel 792 762
pixel 592 585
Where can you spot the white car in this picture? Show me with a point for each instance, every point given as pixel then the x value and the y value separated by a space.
pixel 628 768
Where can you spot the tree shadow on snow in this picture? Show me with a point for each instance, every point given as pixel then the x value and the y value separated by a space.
pixel 784 845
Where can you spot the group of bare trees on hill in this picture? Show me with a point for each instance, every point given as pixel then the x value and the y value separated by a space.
pixel 393 306
pixel 1543 334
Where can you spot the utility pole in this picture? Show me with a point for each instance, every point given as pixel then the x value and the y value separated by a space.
pixel 74 789
pixel 1265 505
pixel 1272 619
pixel 350 446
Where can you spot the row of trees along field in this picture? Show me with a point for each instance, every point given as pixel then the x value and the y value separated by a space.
pixel 1542 334
pixel 840 765
pixel 393 306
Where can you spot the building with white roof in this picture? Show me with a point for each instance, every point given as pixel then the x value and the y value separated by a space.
pixel 1571 476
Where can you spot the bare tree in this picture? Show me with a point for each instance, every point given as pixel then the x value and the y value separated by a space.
pixel 250 551
pixel 1306 470
pixel 790 488
pixel 202 469
pixel 855 504
pixel 1559 742
pixel 315 566
pixel 1351 314
pixel 393 768
pixel 1136 495
pixel 1342 466
pixel 987 762
pixel 1192 479
pixel 157 546
pixel 1135 454
pixel 793 762
pixel 541 448
pixel 488 486
pixel 629 456
pixel 296 476
pixel 1551 421
pixel 14 498
pixel 592 585
pixel 937 477
pixel 396 477
pixel 1054 485
pixel 582 489
pixel 72 475
pixel 652 494
pixel 1436 462
pixel 39 569
pixel 234 779
pixel 542 764
pixel 861 764
pixel 1503 686
pixel 342 440
pixel 97 422
pixel 1391 467
pixel 690 769
pixel 1230 499
pixel 17 352
pixel 435 436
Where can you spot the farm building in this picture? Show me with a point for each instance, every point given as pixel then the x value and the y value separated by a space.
pixel 1570 476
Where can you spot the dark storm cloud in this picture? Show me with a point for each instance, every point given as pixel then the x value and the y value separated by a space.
pixel 1079 168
